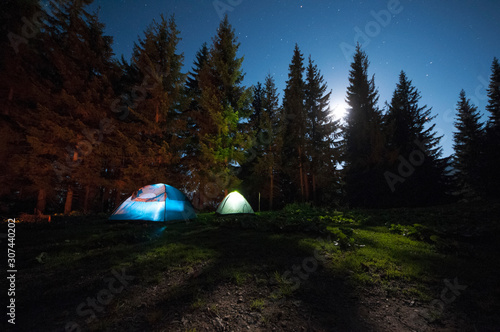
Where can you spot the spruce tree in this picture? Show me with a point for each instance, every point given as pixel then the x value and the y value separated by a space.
pixel 81 56
pixel 294 119
pixel 417 174
pixel 492 155
pixel 223 140
pixel 494 96
pixel 363 140
pixel 65 98
pixel 266 152
pixel 255 117
pixel 20 64
pixel 153 125
pixel 322 131
pixel 194 116
pixel 468 144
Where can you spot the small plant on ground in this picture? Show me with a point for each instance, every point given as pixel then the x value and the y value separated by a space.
pixel 257 304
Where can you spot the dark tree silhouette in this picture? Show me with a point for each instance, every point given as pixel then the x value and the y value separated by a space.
pixel 322 133
pixel 294 118
pixel 492 155
pixel 418 175
pixel 363 139
pixel 468 143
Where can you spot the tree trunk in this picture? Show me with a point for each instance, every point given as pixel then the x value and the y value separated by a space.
pixel 104 199
pixel 86 199
pixel 314 188
pixel 306 186
pixel 271 188
pixel 117 198
pixel 69 195
pixel 226 183
pixel 69 200
pixel 41 201
pixel 11 95
pixel 301 176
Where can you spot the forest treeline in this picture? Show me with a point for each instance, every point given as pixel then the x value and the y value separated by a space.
pixel 82 129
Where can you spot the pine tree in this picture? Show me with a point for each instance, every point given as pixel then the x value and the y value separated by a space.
pixel 363 140
pixel 19 68
pixel 194 116
pixel 201 58
pixel 468 144
pixel 255 117
pixel 65 97
pixel 294 118
pixel 492 146
pixel 322 132
pixel 494 96
pixel 226 101
pixel 413 147
pixel 81 56
pixel 152 128
pixel 265 161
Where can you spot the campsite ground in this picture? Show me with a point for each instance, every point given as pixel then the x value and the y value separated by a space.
pixel 301 269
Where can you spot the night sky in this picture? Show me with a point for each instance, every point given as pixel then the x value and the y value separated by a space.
pixel 443 46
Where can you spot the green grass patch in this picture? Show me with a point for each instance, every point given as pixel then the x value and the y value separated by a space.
pixel 257 304
pixel 406 252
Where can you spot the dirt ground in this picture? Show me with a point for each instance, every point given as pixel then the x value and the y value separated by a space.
pixel 200 296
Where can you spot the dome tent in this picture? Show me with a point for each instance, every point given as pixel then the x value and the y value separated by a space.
pixel 156 202
pixel 234 203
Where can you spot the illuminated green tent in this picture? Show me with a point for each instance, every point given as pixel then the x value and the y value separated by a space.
pixel 234 203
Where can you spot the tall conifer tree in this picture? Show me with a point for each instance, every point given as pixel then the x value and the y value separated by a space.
pixel 322 131
pixel 226 101
pixel 492 155
pixel 413 147
pixel 69 96
pixel 294 118
pixel 20 66
pixel 154 123
pixel 268 143
pixel 468 144
pixel 363 139
pixel 195 116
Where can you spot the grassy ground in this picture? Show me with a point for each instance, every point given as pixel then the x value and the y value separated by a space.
pixel 429 269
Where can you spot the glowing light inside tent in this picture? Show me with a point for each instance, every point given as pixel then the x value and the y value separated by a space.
pixel 236 200
pixel 156 202
pixel 234 203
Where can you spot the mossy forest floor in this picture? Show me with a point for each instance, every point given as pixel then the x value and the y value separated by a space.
pixel 300 269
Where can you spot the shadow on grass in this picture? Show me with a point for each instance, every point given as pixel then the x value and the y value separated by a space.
pixel 178 271
pixel 190 274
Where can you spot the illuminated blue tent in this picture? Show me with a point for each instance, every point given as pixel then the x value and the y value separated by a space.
pixel 234 203
pixel 156 202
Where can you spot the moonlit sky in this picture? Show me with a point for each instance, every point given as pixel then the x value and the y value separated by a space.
pixel 443 46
